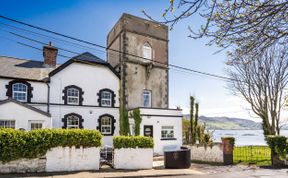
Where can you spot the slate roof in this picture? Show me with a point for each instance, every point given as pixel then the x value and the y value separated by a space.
pixel 89 58
pixel 16 68
pixel 85 58
pixel 26 106
pixel 11 67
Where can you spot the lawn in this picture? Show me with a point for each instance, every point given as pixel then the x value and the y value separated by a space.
pixel 260 155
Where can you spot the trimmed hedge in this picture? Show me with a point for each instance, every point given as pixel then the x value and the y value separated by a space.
pixel 132 142
pixel 16 144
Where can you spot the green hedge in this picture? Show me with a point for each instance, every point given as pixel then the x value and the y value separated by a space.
pixel 16 144
pixel 278 145
pixel 132 142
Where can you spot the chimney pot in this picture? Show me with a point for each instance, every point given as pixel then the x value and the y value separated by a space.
pixel 50 55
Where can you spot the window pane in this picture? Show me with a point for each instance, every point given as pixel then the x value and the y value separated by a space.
pixel 167 132
pixel 72 122
pixel 36 126
pixel 19 92
pixel 106 98
pixel 72 96
pixel 106 125
pixel 7 124
pixel 147 51
pixel 146 98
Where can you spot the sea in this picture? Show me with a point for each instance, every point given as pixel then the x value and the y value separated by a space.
pixel 244 137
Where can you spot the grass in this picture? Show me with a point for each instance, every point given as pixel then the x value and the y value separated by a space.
pixel 259 155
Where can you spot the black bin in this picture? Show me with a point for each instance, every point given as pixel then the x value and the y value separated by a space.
pixel 178 159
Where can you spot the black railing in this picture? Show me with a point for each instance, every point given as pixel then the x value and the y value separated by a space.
pixel 260 155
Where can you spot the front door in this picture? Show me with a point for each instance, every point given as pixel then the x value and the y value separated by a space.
pixel 148 130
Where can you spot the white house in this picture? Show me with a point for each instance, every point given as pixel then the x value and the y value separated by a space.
pixel 81 93
pixel 84 92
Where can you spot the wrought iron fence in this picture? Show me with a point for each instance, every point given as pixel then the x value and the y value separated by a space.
pixel 260 155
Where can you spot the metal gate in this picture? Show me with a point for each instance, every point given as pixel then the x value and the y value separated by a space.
pixel 106 156
pixel 260 155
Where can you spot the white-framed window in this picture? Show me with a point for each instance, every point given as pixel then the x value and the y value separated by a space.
pixel 73 96
pixel 147 51
pixel 73 122
pixel 19 92
pixel 106 125
pixel 106 98
pixel 7 124
pixel 146 98
pixel 36 125
pixel 167 132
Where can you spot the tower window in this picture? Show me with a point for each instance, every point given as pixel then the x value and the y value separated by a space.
pixel 147 98
pixel 147 51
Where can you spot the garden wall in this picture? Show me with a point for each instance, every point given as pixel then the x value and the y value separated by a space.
pixel 24 165
pixel 207 153
pixel 72 159
pixel 133 158
pixel 57 159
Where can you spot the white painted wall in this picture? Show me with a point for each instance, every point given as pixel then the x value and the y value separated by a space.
pixel 22 115
pixel 89 114
pixel 91 78
pixel 72 159
pixel 131 158
pixel 207 153
pixel 159 118
pixel 39 91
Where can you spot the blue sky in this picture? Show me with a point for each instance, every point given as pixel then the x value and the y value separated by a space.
pixel 92 20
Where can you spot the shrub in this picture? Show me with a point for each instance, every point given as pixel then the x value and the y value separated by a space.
pixel 16 144
pixel 135 114
pixel 278 145
pixel 132 142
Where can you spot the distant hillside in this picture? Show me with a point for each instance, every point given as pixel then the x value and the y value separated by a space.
pixel 226 123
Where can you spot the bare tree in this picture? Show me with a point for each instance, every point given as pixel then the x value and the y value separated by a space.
pixel 261 82
pixel 249 25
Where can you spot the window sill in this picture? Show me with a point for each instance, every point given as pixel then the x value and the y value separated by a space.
pixel 168 139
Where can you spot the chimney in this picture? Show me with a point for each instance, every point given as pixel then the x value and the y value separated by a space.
pixel 50 55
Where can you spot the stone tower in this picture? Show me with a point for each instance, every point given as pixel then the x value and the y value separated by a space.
pixel 144 80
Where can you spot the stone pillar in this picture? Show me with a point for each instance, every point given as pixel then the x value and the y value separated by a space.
pixel 228 146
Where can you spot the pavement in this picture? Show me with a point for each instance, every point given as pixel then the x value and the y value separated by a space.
pixel 195 171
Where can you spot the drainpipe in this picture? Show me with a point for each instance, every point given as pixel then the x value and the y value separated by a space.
pixel 47 80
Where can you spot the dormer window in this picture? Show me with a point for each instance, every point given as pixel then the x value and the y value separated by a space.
pixel 147 51
pixel 73 95
pixel 106 98
pixel 19 92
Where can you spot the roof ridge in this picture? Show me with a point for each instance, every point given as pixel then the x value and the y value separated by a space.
pixel 20 58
